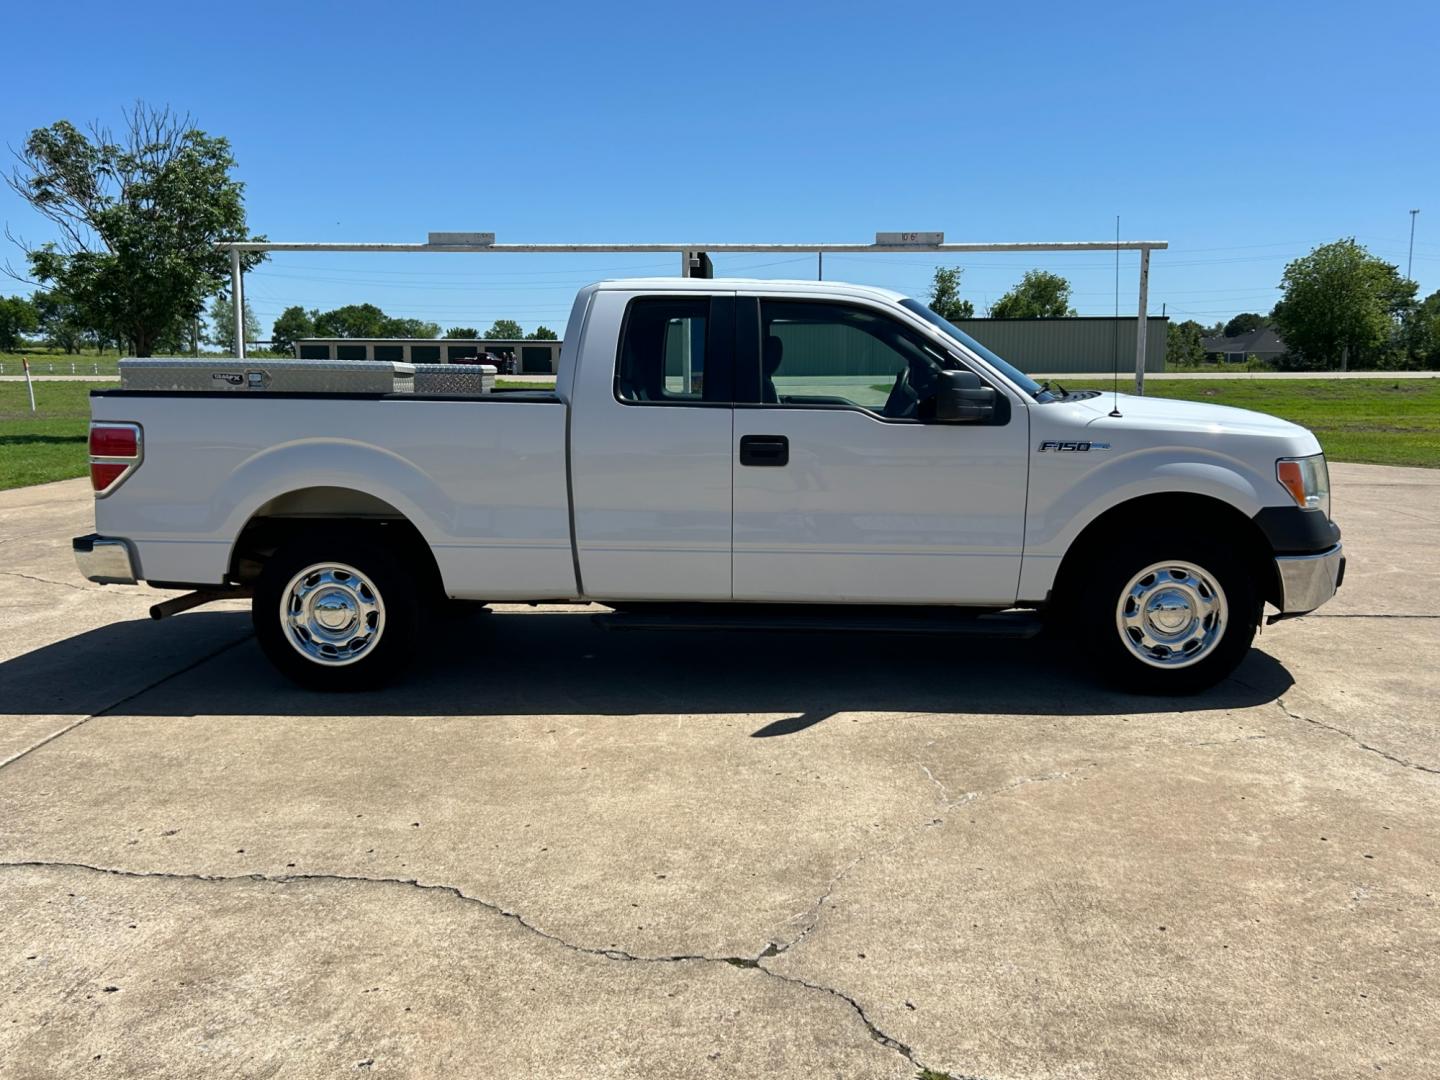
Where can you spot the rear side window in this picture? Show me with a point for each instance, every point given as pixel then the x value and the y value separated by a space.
pixel 676 349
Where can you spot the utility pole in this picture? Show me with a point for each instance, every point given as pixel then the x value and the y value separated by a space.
pixel 1410 262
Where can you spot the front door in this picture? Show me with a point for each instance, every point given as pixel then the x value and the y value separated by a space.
pixel 843 491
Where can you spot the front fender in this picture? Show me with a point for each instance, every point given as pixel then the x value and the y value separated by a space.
pixel 1060 510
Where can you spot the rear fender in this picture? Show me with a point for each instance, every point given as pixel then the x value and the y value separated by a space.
pixel 372 470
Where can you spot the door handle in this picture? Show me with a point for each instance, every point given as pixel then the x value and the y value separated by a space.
pixel 762 451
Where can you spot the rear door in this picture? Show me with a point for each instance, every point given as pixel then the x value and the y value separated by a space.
pixel 843 491
pixel 651 431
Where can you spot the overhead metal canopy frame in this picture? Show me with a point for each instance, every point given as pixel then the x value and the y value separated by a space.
pixel 885 244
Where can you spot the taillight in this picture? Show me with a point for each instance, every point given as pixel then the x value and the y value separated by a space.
pixel 115 452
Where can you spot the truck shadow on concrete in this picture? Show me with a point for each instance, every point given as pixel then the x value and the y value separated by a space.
pixel 543 663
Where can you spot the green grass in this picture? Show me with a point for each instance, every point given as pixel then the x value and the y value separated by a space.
pixel 1378 421
pixel 1383 422
pixel 51 444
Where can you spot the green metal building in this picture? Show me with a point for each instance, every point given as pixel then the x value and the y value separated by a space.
pixel 1080 346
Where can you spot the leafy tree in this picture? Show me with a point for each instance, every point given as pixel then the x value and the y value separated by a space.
pixel 61 321
pixel 411 328
pixel 1420 333
pixel 221 331
pixel 504 330
pixel 1245 322
pixel 1040 295
pixel 17 316
pixel 1339 306
pixel 945 298
pixel 352 321
pixel 542 333
pixel 1182 343
pixel 293 324
pixel 138 216
pixel 462 332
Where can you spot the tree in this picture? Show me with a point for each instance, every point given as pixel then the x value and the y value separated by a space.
pixel 221 330
pixel 410 328
pixel 1340 306
pixel 293 324
pixel 138 216
pixel 1040 295
pixel 352 321
pixel 1245 322
pixel 61 321
pixel 1421 333
pixel 1183 347
pixel 462 332
pixel 945 298
pixel 504 330
pixel 542 333
pixel 17 316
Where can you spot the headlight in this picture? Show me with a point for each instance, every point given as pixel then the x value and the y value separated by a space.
pixel 1307 480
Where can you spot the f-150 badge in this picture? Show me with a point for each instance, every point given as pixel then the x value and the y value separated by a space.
pixel 1072 447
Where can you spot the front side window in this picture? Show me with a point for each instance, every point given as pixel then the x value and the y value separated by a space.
pixel 826 354
pixel 663 352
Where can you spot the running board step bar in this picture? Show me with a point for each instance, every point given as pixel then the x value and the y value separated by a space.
pixel 763 618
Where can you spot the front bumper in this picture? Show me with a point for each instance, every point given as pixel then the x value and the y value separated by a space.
pixel 1307 581
pixel 105 560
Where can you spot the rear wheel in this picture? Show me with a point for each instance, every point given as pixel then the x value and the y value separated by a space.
pixel 335 613
pixel 1167 613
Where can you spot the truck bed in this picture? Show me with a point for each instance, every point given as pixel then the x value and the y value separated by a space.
pixel 484 479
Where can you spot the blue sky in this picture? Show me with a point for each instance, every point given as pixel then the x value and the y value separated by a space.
pixel 1244 134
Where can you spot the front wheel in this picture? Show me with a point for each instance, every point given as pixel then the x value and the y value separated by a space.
pixel 335 613
pixel 1167 613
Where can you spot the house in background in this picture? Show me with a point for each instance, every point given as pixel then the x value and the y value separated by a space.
pixel 1263 343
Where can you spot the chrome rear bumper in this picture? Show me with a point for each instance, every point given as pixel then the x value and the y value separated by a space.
pixel 105 560
pixel 1307 581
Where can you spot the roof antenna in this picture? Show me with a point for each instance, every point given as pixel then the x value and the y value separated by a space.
pixel 1115 327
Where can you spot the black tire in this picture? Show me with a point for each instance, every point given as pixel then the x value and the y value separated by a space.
pixel 1103 582
pixel 380 574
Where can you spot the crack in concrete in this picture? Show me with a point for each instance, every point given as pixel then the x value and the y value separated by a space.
pixel 47 581
pixel 619 955
pixel 121 701
pixel 1375 615
pixel 1417 766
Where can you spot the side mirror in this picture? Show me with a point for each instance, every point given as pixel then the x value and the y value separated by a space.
pixel 960 398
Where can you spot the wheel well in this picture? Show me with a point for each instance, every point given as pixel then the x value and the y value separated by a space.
pixel 285 517
pixel 1211 516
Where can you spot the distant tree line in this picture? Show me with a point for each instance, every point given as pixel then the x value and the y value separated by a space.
pixel 369 321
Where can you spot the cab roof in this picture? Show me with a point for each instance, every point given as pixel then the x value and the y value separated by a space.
pixel 758 285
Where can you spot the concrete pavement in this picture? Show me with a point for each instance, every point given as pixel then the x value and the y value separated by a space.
pixel 564 852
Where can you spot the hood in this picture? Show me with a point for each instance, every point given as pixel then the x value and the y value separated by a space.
pixel 1153 413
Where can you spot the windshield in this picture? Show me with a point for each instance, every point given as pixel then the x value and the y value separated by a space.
pixel 950 330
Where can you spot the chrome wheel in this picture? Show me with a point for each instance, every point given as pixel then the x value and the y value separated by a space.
pixel 1172 614
pixel 332 614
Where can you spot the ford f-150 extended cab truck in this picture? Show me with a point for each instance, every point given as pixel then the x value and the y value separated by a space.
pixel 726 453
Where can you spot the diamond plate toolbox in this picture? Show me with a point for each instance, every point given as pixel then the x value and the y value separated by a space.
pixel 455 380
pixel 274 376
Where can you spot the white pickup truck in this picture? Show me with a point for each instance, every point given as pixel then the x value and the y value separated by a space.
pixel 726 454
